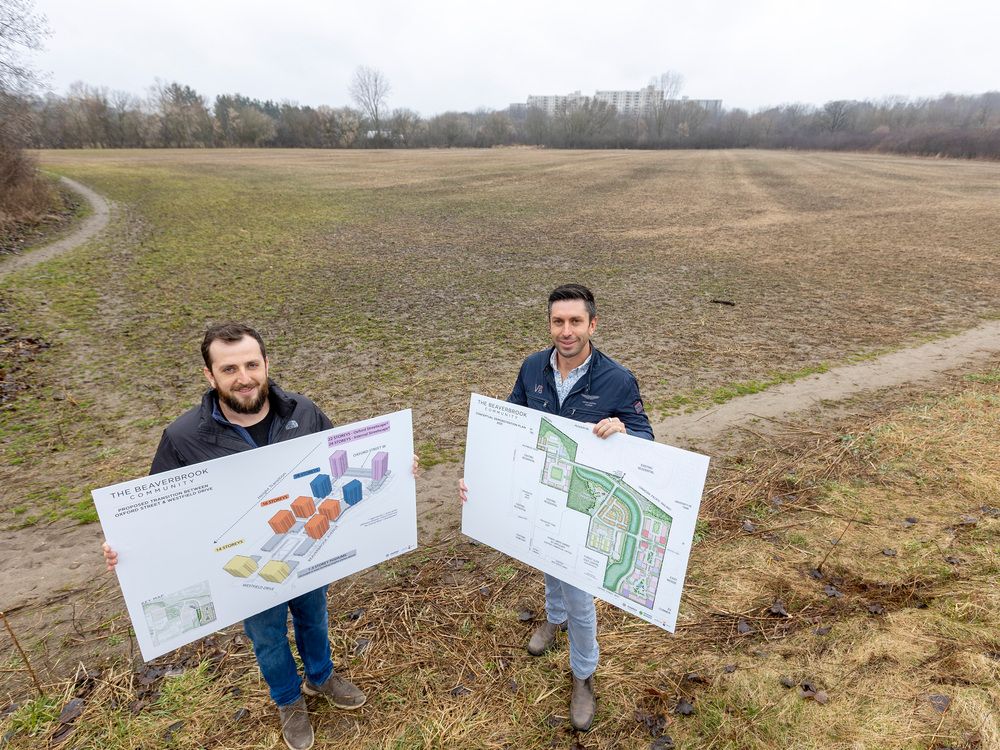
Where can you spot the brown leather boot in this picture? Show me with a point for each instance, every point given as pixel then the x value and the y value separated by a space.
pixel 582 704
pixel 544 638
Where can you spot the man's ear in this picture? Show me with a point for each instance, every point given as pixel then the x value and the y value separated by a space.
pixel 208 376
pixel 593 324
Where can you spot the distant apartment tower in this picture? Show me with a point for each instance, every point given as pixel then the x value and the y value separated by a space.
pixel 627 102
pixel 552 103
pixel 632 102
pixel 338 464
pixel 380 464
pixel 321 485
pixel 352 492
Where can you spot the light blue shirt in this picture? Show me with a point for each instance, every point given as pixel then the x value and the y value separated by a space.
pixel 563 387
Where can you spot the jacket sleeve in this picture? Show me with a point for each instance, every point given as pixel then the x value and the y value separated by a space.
pixel 167 457
pixel 633 413
pixel 518 395
pixel 324 421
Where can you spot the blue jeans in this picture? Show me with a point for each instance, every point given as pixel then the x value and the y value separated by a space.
pixel 565 603
pixel 268 631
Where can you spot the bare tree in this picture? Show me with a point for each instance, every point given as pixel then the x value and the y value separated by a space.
pixel 670 83
pixel 370 89
pixel 21 29
pixel 23 195
pixel 659 114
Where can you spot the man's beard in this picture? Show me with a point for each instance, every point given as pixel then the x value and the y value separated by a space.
pixel 243 407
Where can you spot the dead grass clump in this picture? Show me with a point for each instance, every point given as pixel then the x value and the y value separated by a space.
pixel 25 197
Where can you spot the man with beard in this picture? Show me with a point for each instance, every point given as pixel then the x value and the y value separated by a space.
pixel 243 410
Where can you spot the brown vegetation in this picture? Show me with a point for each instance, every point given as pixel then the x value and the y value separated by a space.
pixel 178 116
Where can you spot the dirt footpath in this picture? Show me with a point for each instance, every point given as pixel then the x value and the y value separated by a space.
pixel 94 223
pixel 919 364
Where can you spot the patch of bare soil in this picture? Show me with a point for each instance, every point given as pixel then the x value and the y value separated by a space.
pixel 700 430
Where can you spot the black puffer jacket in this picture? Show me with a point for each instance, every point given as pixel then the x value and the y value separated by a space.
pixel 202 433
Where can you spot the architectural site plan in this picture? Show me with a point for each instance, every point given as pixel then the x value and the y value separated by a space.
pixel 614 517
pixel 210 544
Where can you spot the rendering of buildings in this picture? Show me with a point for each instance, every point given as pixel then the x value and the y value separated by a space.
pixel 321 486
pixel 302 528
pixel 338 464
pixel 330 509
pixel 275 571
pixel 380 464
pixel 303 506
pixel 282 521
pixel 352 492
pixel 241 566
pixel 317 526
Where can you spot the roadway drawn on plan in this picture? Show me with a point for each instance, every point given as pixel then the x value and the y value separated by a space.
pixel 559 454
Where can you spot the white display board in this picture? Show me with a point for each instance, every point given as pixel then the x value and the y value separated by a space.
pixel 210 544
pixel 615 517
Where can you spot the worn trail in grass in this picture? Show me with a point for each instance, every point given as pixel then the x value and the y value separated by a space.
pixel 93 223
pixel 385 279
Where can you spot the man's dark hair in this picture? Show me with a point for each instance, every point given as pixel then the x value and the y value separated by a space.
pixel 231 333
pixel 574 291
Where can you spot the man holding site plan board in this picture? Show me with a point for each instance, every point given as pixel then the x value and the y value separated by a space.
pixel 254 504
pixel 549 481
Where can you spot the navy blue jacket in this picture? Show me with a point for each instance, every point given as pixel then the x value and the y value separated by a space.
pixel 203 433
pixel 606 390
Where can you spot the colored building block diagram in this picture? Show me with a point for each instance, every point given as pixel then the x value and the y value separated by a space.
pixel 311 512
pixel 625 526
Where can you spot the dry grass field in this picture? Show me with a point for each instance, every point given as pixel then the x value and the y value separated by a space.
pixel 390 279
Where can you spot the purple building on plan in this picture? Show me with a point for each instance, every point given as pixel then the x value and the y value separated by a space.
pixel 338 464
pixel 380 464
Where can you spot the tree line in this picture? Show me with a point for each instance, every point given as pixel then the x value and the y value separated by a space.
pixel 175 115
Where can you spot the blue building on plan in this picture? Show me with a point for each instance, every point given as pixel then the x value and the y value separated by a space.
pixel 352 492
pixel 321 485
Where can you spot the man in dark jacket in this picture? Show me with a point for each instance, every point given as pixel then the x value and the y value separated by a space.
pixel 573 379
pixel 243 410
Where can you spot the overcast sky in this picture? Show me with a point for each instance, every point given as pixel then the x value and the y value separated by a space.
pixel 441 56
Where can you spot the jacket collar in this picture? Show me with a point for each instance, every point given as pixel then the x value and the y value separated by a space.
pixel 595 363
